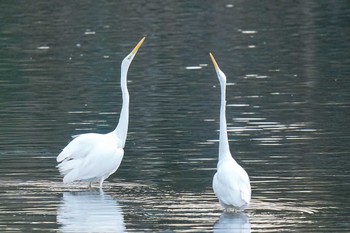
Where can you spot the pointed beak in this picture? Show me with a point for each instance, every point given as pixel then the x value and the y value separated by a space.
pixel 214 62
pixel 134 51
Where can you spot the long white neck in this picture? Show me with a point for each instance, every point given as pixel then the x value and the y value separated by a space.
pixel 122 128
pixel 224 148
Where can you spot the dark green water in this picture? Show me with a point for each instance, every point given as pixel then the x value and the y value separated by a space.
pixel 288 108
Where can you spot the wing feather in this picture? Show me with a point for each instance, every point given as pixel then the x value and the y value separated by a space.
pixel 90 157
pixel 79 147
pixel 231 185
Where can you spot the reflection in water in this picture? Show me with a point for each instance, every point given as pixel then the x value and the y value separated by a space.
pixel 232 222
pixel 90 212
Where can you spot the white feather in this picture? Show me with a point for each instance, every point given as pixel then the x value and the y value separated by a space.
pixel 91 157
pixel 231 182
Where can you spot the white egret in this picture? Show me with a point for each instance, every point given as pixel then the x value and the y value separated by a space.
pixel 94 157
pixel 231 182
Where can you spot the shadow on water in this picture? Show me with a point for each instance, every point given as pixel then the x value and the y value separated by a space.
pixel 89 211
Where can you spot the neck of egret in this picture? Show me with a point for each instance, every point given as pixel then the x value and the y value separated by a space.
pixel 224 148
pixel 231 182
pixel 122 128
pixel 92 156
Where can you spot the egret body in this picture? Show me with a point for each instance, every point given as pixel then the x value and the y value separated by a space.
pixel 231 182
pixel 94 157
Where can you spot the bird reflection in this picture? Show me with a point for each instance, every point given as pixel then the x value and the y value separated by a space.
pixel 232 222
pixel 90 212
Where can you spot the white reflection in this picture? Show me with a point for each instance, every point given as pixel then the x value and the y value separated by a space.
pixel 90 212
pixel 232 222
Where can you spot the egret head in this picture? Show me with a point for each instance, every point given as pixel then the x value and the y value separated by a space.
pixel 128 59
pixel 220 74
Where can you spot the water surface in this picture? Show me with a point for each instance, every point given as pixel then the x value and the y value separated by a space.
pixel 287 112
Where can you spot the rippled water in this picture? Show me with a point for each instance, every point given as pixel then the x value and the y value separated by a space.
pixel 287 112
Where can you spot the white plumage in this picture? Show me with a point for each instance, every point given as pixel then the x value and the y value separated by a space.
pixel 94 157
pixel 231 182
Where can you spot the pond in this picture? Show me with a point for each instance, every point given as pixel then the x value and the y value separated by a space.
pixel 288 108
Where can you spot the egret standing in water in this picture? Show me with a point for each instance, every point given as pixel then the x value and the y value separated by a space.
pixel 94 157
pixel 231 182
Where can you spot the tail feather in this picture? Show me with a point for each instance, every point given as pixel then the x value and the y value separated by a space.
pixel 70 176
pixel 70 169
pixel 63 155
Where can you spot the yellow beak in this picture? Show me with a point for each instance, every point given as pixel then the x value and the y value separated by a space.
pixel 214 62
pixel 134 51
